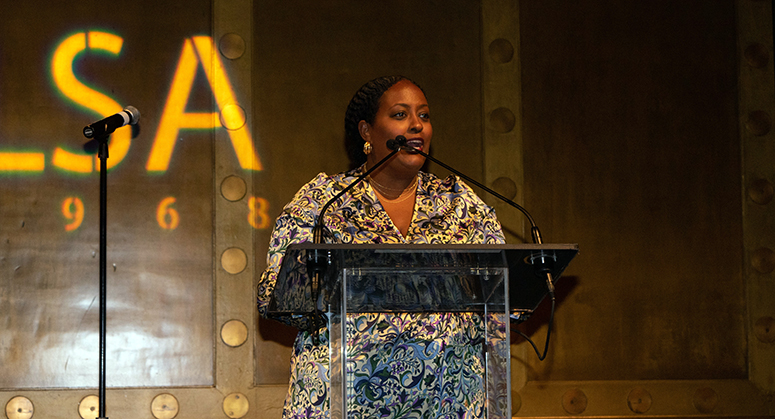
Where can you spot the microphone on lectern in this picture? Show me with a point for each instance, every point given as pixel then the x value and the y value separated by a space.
pixel 541 260
pixel 536 234
pixel 318 260
pixel 317 231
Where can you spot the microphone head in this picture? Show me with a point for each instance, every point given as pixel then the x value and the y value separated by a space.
pixel 394 144
pixel 134 114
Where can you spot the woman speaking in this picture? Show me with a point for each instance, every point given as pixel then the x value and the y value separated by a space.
pixel 408 365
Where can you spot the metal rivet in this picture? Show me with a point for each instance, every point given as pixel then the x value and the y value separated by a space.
pixel 164 406
pixel 705 400
pixel 233 188
pixel 758 123
pixel 236 405
pixel 516 402
pixel 761 191
pixel 756 55
pixel 88 407
pixel 19 408
pixel 639 400
pixel 502 120
pixel 763 260
pixel 232 117
pixel 234 333
pixel 505 187
pixel 234 260
pixel 574 401
pixel 764 329
pixel 232 46
pixel 501 51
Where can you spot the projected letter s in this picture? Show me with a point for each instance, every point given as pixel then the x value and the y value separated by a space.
pixel 102 105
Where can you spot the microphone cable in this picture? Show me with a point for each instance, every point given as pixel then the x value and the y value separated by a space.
pixel 548 333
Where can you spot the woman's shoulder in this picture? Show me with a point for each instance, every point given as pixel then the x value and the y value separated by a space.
pixel 320 179
pixel 346 177
pixel 320 188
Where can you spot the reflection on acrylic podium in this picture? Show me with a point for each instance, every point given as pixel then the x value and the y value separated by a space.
pixel 321 284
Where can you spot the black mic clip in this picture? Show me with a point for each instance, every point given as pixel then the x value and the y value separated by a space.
pixel 543 262
pixel 318 261
pixel 544 265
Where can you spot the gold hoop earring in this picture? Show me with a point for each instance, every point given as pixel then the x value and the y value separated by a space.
pixel 366 148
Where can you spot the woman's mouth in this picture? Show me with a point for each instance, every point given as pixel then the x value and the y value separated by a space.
pixel 415 143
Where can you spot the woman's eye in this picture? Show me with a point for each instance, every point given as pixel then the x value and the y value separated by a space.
pixel 399 114
pixel 425 115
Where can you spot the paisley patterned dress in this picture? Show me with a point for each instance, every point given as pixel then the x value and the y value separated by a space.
pixel 408 365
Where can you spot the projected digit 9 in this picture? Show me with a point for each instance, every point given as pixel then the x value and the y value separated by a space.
pixel 72 210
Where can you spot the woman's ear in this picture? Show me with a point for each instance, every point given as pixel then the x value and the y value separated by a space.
pixel 364 130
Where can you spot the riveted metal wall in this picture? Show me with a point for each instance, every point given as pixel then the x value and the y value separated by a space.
pixel 181 307
pixel 756 107
pixel 641 130
pixel 502 135
pixel 634 149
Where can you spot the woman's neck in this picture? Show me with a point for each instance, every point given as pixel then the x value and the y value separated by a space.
pixel 394 195
pixel 397 196
pixel 392 184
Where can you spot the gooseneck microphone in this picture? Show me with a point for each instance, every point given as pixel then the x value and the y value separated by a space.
pixel 130 115
pixel 317 231
pixel 541 260
pixel 535 233
pixel 318 260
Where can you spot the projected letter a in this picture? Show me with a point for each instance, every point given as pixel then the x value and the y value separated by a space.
pixel 199 49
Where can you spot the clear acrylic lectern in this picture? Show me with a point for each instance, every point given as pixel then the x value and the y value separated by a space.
pixel 418 278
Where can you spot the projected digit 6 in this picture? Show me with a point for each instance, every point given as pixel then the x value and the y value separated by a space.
pixel 167 217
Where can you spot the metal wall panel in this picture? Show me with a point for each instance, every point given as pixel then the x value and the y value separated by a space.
pixel 640 130
pixel 633 150
pixel 63 66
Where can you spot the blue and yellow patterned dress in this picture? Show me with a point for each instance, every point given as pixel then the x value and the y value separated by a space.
pixel 408 365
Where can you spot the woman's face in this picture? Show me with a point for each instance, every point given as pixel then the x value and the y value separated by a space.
pixel 403 110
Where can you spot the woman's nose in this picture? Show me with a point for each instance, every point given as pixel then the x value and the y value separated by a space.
pixel 416 124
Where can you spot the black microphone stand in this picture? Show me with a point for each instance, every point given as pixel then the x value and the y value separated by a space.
pixel 317 230
pixel 100 131
pixel 102 153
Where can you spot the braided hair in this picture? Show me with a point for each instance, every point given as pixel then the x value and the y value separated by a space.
pixel 363 107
